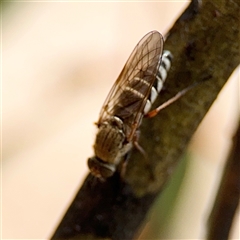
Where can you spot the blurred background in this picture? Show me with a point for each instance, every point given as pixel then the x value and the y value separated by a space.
pixel 59 60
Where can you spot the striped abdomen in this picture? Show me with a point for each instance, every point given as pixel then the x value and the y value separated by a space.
pixel 134 93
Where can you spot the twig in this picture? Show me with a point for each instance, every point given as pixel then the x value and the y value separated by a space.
pixel 227 199
pixel 205 44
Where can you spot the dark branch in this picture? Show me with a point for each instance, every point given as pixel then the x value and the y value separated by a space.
pixel 205 45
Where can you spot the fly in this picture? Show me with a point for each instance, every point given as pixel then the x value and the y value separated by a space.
pixel 128 101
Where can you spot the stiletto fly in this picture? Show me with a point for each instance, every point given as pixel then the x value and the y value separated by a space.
pixel 130 98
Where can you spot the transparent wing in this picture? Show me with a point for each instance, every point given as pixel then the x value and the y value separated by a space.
pixel 128 96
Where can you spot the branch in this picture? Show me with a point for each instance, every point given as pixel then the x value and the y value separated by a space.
pixel 227 199
pixel 205 45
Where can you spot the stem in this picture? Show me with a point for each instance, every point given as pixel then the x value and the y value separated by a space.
pixel 205 45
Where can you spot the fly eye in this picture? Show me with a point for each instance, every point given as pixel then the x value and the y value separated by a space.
pixel 100 169
pixel 106 172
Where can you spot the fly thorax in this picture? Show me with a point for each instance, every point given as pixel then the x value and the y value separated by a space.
pixel 110 145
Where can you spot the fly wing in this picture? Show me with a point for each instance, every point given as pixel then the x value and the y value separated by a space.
pixel 129 94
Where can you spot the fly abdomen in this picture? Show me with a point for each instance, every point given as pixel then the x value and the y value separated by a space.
pixel 134 93
pixel 160 79
pixel 132 96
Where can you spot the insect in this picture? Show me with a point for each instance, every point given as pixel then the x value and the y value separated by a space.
pixel 129 99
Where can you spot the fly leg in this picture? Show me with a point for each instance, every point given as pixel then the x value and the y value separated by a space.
pixel 155 111
pixel 124 165
pixel 143 152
